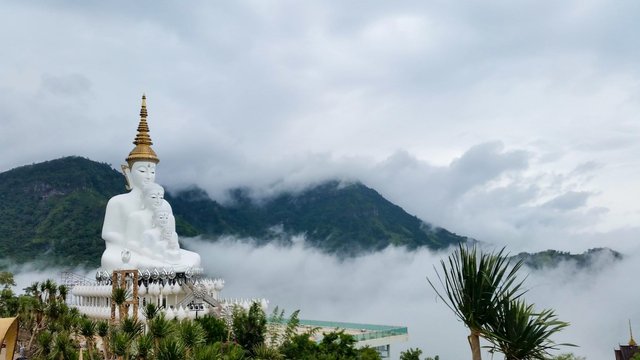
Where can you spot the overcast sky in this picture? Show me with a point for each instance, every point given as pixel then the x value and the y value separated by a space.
pixel 516 123
pixel 512 122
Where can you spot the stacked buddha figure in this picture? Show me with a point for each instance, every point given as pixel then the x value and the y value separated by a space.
pixel 139 226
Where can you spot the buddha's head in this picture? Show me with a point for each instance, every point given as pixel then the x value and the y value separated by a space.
pixel 141 174
pixel 141 162
pixel 161 216
pixel 152 196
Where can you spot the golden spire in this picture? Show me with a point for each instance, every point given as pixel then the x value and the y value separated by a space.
pixel 143 150
pixel 631 341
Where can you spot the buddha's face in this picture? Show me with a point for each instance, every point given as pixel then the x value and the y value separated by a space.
pixel 142 173
pixel 153 198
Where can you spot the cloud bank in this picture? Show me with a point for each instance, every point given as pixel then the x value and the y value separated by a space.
pixel 390 288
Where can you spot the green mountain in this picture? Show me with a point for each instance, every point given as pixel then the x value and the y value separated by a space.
pixel 345 219
pixel 553 258
pixel 53 212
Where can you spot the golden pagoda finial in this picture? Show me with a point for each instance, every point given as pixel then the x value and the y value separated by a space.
pixel 143 150
pixel 631 341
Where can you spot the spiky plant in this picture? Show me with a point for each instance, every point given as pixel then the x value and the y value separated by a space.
pixel 63 347
pixel 120 344
pixel 132 327
pixel 119 296
pixel 88 331
pixel 473 283
pixel 171 349
pixel 150 311
pixel 102 328
pixel 160 328
pixel 521 333
pixel 44 342
pixel 265 352
pixel 191 335
pixel 144 347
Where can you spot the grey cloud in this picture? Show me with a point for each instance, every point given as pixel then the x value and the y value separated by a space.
pixel 568 201
pixel 68 85
pixel 483 163
pixel 586 167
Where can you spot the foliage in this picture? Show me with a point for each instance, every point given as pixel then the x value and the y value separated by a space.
pixel 215 329
pixel 553 258
pixel 150 311
pixel 57 332
pixel 171 349
pixel 521 333
pixel 411 354
pixel 484 293
pixel 472 284
pixel 339 344
pixel 249 327
pixel 368 353
pixel 299 345
pixel 56 208
pixel 8 302
pixel 191 335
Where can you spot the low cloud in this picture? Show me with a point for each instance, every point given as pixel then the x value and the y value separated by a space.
pixel 489 192
pixel 390 288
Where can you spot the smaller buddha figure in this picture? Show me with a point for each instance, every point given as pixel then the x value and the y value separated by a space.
pixel 161 241
pixel 141 220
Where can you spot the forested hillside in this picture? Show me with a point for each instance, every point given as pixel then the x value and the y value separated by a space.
pixel 53 212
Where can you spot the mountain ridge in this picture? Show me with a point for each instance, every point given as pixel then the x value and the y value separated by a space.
pixel 53 212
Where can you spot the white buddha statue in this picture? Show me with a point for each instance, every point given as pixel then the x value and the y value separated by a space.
pixel 127 218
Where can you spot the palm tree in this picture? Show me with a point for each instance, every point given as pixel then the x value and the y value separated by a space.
pixel 132 327
pixel 64 348
pixel 191 335
pixel 43 344
pixel 63 291
pixel 103 331
pixel 522 334
pixel 120 344
pixel 160 328
pixel 88 331
pixel 27 311
pixel 51 289
pixel 144 347
pixel 473 285
pixel 150 311
pixel 70 318
pixel 119 296
pixel 208 352
pixel 33 290
pixel 171 349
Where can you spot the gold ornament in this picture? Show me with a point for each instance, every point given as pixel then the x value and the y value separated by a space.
pixel 143 150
